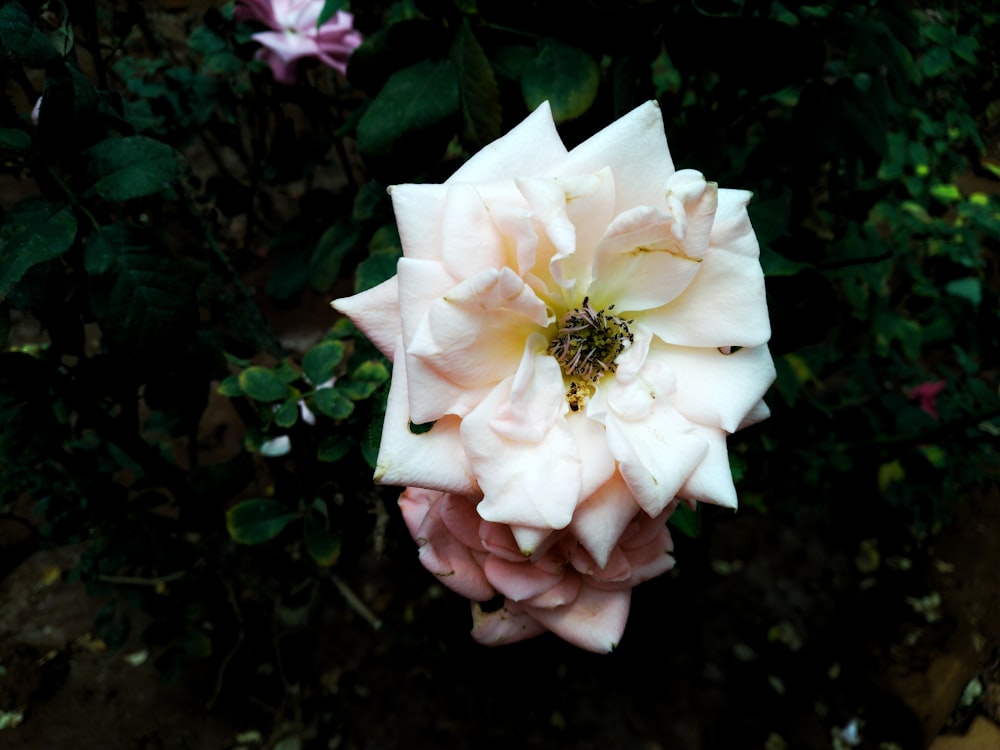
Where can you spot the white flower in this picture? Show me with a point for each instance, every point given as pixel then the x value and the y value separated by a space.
pixel 562 317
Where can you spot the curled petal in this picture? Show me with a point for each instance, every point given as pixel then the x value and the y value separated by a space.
pixel 725 304
pixel 716 389
pixel 509 624
pixel 470 241
pixel 594 621
pixel 635 148
pixel 441 552
pixel 536 397
pixel 560 595
pixel 712 480
pixel 531 148
pixel 433 460
pixel 524 483
pixel 600 521
pixel 518 580
pixel 419 211
pixel 474 335
pixel 656 455
pixel 376 313
pixel 529 540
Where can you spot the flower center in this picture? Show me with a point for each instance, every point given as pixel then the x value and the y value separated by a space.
pixel 586 346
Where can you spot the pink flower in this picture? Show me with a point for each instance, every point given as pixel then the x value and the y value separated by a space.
pixel 926 394
pixel 296 36
pixel 560 587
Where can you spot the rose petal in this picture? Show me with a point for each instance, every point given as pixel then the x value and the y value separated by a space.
pixel 712 480
pixel 471 242
pixel 635 148
pixel 524 483
pixel 656 455
pixel 600 520
pixel 474 335
pixel 376 314
pixel 725 304
pixel 518 580
pixel 433 460
pixel 509 624
pixel 715 389
pixel 529 540
pixel 419 210
pixel 531 148
pixel 595 621
pixel 536 396
pixel 441 552
pixel 563 593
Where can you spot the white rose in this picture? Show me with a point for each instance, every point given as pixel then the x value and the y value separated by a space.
pixel 565 318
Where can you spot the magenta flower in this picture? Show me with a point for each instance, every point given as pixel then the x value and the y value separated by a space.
pixel 560 587
pixel 296 36
pixel 926 395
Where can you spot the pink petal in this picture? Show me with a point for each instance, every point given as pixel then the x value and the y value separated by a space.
pixel 518 580
pixel 509 624
pixel 497 539
pixel 592 446
pixel 599 521
pixel 595 621
pixel 443 554
pixel 563 593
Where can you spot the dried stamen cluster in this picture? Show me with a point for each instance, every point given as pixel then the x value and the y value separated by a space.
pixel 586 346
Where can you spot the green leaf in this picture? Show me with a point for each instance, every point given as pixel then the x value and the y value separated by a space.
pixel 287 414
pixel 323 546
pixel 21 39
pixel 35 230
pixel 385 250
pixel 970 289
pixel 333 448
pixel 262 384
pixel 320 361
pixel 478 90
pixel 132 167
pixel 364 380
pixel 230 387
pixel 936 61
pixel 257 521
pixel 331 403
pixel 330 9
pixel 332 248
pixel 687 521
pixel 565 76
pixel 413 99
pixel 946 193
pixel 143 301
pixel 15 139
